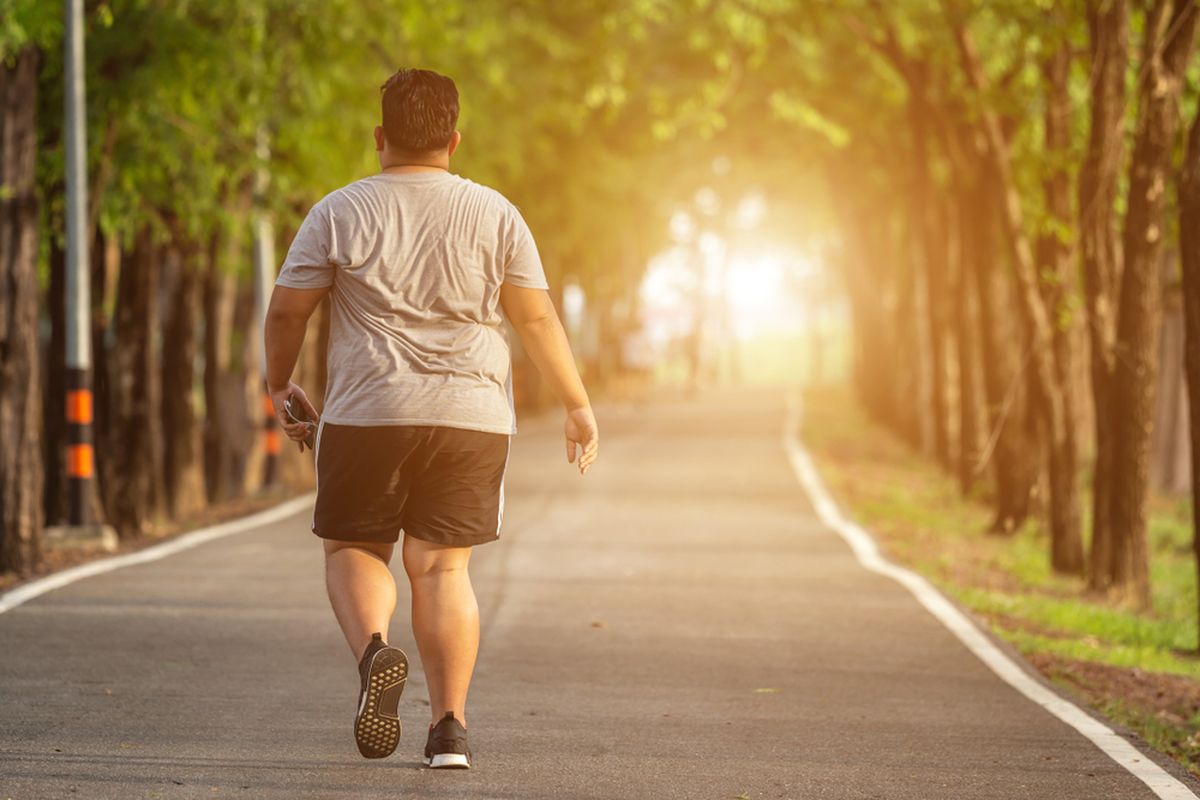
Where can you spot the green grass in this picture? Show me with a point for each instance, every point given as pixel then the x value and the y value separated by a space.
pixel 917 511
pixel 1177 739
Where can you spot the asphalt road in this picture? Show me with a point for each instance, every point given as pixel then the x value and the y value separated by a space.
pixel 675 625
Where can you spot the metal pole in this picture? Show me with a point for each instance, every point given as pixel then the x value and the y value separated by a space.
pixel 80 455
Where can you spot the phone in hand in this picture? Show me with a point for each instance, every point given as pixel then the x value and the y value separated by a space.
pixel 295 411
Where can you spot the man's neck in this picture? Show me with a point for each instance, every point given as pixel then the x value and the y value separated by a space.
pixel 415 164
pixel 400 169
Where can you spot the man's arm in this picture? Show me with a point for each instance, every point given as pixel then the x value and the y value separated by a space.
pixel 532 315
pixel 287 320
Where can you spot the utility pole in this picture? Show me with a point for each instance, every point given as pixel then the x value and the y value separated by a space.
pixel 80 454
pixel 81 457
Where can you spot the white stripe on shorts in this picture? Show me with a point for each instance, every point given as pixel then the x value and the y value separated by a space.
pixel 317 469
pixel 500 513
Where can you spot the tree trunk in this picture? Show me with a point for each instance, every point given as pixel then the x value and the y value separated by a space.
pixel 1108 26
pixel 1003 447
pixel 938 285
pixel 990 428
pixel 54 395
pixel 183 465
pixel 872 352
pixel 966 352
pixel 253 393
pixel 1169 451
pixel 1058 292
pixel 880 353
pixel 20 384
pixel 864 232
pixel 136 441
pixel 1189 252
pixel 221 476
pixel 1136 368
pixel 1066 542
pixel 105 272
pixel 928 226
pixel 1007 447
pixel 905 323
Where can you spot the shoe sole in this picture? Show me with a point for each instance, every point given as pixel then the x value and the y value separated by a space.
pixel 448 761
pixel 377 724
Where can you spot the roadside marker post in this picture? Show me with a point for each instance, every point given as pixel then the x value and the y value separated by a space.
pixel 81 457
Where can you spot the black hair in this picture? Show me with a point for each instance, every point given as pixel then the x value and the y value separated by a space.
pixel 420 110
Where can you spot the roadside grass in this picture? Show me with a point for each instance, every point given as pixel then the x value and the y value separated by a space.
pixel 1164 732
pixel 921 519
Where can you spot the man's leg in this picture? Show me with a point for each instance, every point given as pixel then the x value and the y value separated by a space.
pixel 361 589
pixel 445 619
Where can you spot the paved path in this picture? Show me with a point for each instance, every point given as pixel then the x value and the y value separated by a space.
pixel 676 625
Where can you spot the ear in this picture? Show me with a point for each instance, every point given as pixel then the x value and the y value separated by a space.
pixel 380 140
pixel 454 140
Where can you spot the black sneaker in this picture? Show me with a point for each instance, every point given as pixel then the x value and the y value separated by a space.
pixel 377 725
pixel 446 747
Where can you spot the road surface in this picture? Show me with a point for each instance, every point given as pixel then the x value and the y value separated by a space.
pixel 676 625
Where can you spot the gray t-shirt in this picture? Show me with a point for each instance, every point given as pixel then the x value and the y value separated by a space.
pixel 416 261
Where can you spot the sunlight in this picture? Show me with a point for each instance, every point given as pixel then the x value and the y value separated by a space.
pixel 758 295
pixel 751 292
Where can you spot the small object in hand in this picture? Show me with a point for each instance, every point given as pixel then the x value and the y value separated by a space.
pixel 295 411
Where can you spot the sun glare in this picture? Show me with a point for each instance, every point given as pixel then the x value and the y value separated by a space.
pixel 755 289
pixel 755 292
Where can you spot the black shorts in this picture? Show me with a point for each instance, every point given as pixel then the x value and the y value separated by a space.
pixel 442 485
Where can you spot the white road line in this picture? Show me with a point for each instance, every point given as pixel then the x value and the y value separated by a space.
pixel 867 552
pixel 27 591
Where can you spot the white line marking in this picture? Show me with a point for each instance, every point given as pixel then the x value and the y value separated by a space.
pixel 867 552
pixel 27 591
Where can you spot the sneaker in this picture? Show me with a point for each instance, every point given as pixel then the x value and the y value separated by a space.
pixel 446 747
pixel 377 725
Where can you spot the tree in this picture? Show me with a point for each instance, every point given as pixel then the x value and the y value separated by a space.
pixel 1008 446
pixel 1056 269
pixel 1189 253
pixel 1169 33
pixel 1108 29
pixel 183 475
pixel 135 436
pixel 1047 381
pixel 20 387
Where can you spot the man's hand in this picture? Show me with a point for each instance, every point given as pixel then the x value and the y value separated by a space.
pixel 287 319
pixel 532 315
pixel 583 437
pixel 296 431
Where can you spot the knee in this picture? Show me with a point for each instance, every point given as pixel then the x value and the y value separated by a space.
pixel 425 561
pixel 434 569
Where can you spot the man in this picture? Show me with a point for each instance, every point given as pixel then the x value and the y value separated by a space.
pixel 418 263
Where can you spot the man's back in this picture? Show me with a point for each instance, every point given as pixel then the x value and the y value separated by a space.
pixel 414 442
pixel 415 261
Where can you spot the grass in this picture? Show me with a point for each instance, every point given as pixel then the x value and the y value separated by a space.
pixel 922 520
pixel 1171 737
